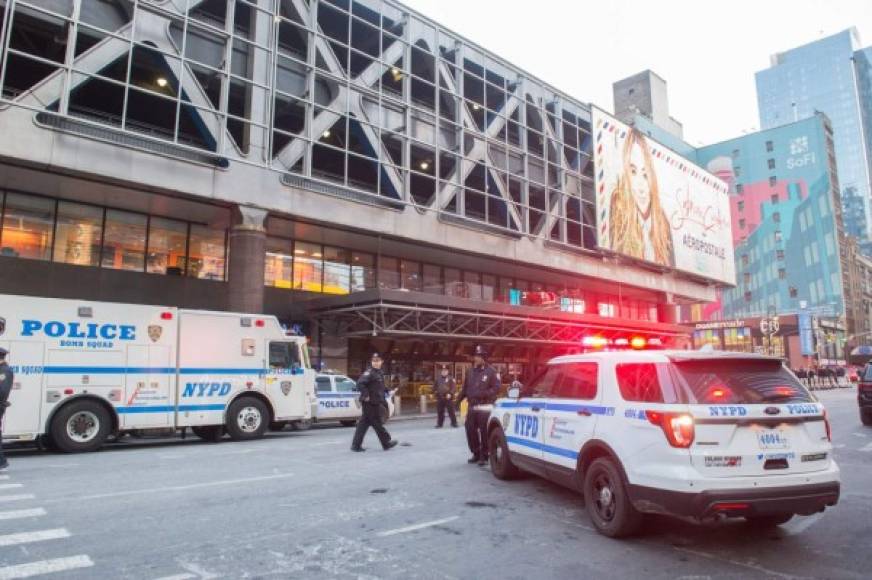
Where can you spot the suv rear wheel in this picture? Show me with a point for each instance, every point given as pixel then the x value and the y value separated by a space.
pixel 866 417
pixel 607 501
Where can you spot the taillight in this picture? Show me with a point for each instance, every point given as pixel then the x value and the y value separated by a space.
pixel 829 428
pixel 678 427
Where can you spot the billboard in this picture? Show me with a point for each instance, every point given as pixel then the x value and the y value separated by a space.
pixel 658 207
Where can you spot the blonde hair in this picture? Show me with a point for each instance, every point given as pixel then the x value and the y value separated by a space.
pixel 625 223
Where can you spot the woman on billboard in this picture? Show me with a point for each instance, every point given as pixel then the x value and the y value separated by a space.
pixel 637 223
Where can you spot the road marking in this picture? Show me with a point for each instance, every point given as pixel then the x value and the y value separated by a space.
pixel 29 537
pixel 867 447
pixel 747 565
pixel 5 498
pixel 797 527
pixel 416 527
pixel 19 514
pixel 45 567
pixel 179 577
pixel 5 486
pixel 153 490
pixel 839 446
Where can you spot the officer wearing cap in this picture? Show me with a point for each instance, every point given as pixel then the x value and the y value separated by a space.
pixel 480 389
pixel 371 385
pixel 445 389
pixel 6 378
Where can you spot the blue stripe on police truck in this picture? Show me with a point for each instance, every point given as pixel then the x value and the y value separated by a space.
pixel 338 395
pixel 542 447
pixel 168 409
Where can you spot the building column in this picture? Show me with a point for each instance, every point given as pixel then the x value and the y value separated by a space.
pixel 667 311
pixel 247 260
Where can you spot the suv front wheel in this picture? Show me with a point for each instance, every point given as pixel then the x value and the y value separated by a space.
pixel 500 461
pixel 607 501
pixel 866 417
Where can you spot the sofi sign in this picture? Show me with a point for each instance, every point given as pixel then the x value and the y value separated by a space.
pixel 57 329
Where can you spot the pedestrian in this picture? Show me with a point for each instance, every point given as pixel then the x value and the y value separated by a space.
pixel 446 390
pixel 812 375
pixel 371 385
pixel 6 378
pixel 480 389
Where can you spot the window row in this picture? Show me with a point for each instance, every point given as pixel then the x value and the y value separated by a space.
pixel 40 228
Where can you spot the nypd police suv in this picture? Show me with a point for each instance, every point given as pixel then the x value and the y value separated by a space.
pixel 339 400
pixel 690 434
pixel 87 370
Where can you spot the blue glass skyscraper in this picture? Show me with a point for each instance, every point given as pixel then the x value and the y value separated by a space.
pixel 829 75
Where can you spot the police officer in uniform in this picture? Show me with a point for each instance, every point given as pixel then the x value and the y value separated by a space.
pixel 371 385
pixel 6 378
pixel 446 390
pixel 480 389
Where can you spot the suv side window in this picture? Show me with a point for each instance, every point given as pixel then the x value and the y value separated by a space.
pixel 639 382
pixel 544 384
pixel 345 385
pixel 577 381
pixel 322 384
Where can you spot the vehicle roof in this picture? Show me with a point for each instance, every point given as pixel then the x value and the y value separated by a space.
pixel 661 356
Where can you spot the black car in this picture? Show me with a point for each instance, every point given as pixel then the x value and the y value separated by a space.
pixel 864 395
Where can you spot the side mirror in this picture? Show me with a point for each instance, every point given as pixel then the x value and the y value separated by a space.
pixel 514 393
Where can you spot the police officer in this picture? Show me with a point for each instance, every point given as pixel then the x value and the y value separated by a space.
pixel 371 385
pixel 6 378
pixel 446 390
pixel 480 389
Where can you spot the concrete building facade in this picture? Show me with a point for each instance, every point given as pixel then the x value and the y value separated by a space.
pixel 645 94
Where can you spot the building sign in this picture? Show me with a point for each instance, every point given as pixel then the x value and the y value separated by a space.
pixel 656 206
pixel 806 334
pixel 720 324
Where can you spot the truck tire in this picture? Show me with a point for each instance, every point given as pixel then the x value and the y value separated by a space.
pixel 500 460
pixel 247 418
pixel 866 417
pixel 607 501
pixel 770 521
pixel 80 426
pixel 210 433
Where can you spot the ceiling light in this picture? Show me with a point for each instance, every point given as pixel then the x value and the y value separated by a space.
pixel 161 82
pixel 425 165
pixel 326 134
pixel 476 107
pixel 397 74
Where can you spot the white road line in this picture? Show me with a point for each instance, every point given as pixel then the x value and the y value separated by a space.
pixel 29 537
pixel 179 577
pixel 20 514
pixel 416 527
pixel 861 435
pixel 153 490
pixel 5 486
pixel 867 447
pixel 798 526
pixel 746 565
pixel 19 497
pixel 4 477
pixel 45 567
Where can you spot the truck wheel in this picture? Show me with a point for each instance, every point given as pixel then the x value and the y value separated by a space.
pixel 247 418
pixel 608 503
pixel 210 433
pixel 80 426
pixel 500 461
pixel 770 521
pixel 866 417
pixel 348 423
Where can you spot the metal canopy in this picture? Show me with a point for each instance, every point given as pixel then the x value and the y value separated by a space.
pixel 418 315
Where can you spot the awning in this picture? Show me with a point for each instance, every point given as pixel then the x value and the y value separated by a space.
pixel 416 314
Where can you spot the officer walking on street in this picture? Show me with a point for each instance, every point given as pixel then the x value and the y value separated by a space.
pixel 6 378
pixel 446 390
pixel 480 389
pixel 371 385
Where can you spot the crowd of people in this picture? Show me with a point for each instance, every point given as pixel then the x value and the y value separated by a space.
pixel 822 377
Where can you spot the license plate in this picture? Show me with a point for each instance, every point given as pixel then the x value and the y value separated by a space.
pixel 773 440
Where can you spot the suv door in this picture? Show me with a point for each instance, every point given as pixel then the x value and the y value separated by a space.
pixel 571 413
pixel 522 419
pixel 347 396
pixel 324 393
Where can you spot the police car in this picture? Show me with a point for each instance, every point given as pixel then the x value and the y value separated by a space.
pixel 338 400
pixel 696 435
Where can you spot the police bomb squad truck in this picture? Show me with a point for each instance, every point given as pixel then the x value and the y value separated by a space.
pixel 87 371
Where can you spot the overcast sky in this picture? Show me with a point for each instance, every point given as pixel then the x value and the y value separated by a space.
pixel 707 51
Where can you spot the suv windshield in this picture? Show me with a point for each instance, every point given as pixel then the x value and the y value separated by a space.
pixel 738 382
pixel 867 373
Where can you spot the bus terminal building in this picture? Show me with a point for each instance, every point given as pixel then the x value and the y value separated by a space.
pixel 372 179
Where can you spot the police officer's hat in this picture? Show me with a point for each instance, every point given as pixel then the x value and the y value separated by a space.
pixel 480 351
pixel 376 355
pixel 443 367
pixel 3 352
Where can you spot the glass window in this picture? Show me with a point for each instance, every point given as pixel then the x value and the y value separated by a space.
pixel 411 273
pixel 543 384
pixel 345 385
pixel 453 283
pixel 362 271
pixel 124 240
pixel 167 246
pixel 308 266
pixel 579 381
pixel 433 279
pixel 206 253
pixel 28 225
pixel 639 382
pixel 752 382
pixel 322 384
pixel 388 273
pixel 284 355
pixel 337 271
pixel 489 288
pixel 78 234
pixel 278 270
pixel 472 282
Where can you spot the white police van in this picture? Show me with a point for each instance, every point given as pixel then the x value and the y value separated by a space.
pixel 689 434
pixel 87 370
pixel 338 400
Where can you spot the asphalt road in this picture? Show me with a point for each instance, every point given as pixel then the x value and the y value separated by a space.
pixel 299 504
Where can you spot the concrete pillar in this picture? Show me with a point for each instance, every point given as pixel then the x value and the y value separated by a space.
pixel 247 260
pixel 667 311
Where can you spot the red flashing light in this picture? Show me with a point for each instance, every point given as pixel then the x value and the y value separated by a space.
pixel 259 323
pixel 622 342
pixel 166 315
pixel 594 341
pixel 732 507
pixel 785 391
pixel 68 391
pixel 638 342
pixel 678 427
